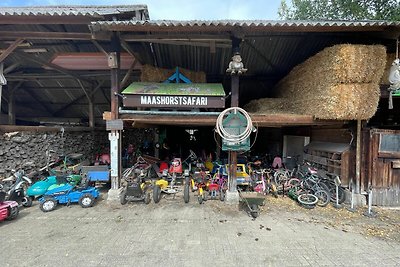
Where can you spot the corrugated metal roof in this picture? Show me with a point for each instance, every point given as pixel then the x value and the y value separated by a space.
pixel 240 23
pixel 93 11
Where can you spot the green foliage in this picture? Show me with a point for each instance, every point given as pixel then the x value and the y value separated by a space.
pixel 340 10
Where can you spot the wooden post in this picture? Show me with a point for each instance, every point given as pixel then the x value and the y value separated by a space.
pixel 91 112
pixel 1 82
pixel 358 159
pixel 114 136
pixel 11 105
pixel 234 103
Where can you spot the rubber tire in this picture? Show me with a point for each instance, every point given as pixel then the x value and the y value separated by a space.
pixel 200 199
pixel 13 213
pixel 280 178
pixel 86 196
pixel 254 211
pixel 323 198
pixel 186 193
pixel 147 198
pixel 28 201
pixel 122 198
pixel 221 195
pixel 41 206
pixel 307 199
pixel 342 195
pixel 156 193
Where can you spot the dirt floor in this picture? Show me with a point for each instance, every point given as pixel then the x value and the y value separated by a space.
pixel 384 224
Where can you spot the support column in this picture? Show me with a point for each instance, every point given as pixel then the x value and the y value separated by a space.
pixel 91 112
pixel 114 135
pixel 11 106
pixel 3 81
pixel 358 159
pixel 233 154
pixel 232 195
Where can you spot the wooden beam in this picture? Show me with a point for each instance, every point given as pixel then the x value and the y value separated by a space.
pixel 188 43
pixel 37 100
pixel 176 37
pixel 84 90
pixel 57 112
pixel 15 128
pixel 268 120
pixel 47 35
pixel 11 68
pixel 10 49
pixel 127 48
pixel 41 62
pixel 128 75
pixel 101 49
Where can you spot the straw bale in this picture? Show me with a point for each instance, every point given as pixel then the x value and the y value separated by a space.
pixel 341 102
pixel 154 74
pixel 389 60
pixel 269 106
pixel 335 65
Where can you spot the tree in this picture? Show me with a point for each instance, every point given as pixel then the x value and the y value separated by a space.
pixel 340 10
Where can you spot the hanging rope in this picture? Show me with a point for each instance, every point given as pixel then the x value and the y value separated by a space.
pixel 235 138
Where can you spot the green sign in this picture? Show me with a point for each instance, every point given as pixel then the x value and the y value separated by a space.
pixel 235 124
pixel 176 89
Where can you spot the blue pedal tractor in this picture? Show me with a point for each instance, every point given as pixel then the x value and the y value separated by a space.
pixel 84 195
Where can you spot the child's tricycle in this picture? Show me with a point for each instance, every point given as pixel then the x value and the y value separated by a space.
pixel 67 194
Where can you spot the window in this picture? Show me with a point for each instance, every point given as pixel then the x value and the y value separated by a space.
pixel 389 143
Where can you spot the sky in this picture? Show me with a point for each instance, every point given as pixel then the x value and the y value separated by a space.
pixel 180 9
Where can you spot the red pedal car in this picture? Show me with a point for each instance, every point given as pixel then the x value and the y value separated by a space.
pixel 8 209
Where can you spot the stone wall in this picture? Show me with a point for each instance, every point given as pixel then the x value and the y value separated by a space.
pixel 27 150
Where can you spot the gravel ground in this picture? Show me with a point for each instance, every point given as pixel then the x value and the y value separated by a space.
pixel 172 233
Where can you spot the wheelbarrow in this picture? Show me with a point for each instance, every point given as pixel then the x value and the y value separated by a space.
pixel 252 201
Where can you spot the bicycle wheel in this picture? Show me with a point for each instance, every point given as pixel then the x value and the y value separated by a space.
pixel 323 198
pixel 307 200
pixel 280 177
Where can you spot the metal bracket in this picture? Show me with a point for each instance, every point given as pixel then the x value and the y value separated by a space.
pixel 112 60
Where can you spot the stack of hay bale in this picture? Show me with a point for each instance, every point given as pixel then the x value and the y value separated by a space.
pixel 154 74
pixel 340 82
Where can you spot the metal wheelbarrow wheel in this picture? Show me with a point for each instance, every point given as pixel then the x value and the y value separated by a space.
pixel 254 210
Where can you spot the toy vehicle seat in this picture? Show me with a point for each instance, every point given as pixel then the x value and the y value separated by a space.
pixel 163 166
pixel 84 184
pixel 176 166
pixel 61 179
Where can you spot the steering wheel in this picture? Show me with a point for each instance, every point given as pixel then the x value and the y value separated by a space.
pixel 192 155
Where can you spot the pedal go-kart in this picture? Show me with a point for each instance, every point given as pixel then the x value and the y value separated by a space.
pixel 68 194
pixel 8 209
pixel 138 187
pixel 243 179
pixel 172 180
